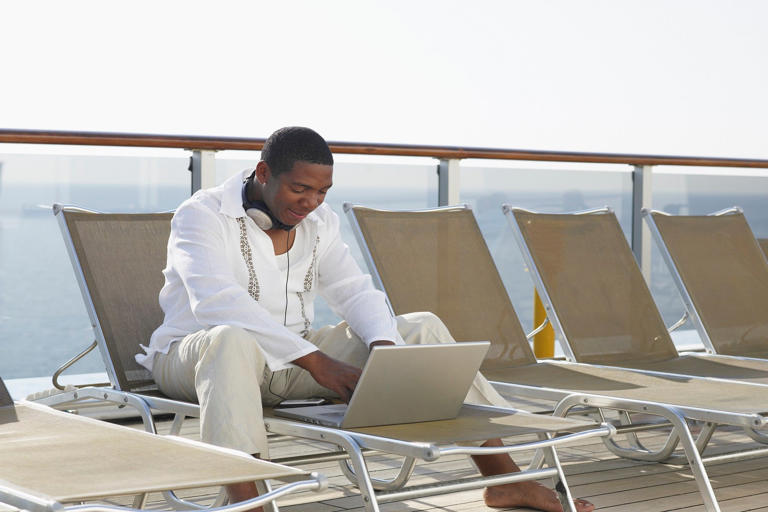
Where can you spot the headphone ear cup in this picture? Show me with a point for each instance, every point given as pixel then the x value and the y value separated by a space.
pixel 262 219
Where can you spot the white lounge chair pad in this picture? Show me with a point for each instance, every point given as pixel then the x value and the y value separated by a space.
pixel 70 458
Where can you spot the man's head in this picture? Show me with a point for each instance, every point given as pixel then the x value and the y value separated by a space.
pixel 295 172
pixel 294 144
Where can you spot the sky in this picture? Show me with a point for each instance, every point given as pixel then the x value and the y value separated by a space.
pixel 687 77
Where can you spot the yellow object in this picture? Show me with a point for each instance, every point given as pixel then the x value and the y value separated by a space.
pixel 544 341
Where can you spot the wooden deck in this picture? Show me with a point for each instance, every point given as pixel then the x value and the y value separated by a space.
pixel 611 483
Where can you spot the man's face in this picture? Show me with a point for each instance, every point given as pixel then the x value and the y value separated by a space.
pixel 294 194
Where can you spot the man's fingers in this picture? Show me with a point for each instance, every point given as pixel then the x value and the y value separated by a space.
pixel 350 382
pixel 349 387
pixel 346 393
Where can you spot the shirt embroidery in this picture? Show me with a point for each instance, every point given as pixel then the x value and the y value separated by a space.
pixel 310 277
pixel 245 249
pixel 305 332
pixel 308 280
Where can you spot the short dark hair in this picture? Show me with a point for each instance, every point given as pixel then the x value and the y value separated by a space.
pixel 294 144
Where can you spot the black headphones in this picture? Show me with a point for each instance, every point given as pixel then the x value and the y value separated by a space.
pixel 259 211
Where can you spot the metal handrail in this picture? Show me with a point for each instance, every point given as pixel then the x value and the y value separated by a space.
pixel 362 148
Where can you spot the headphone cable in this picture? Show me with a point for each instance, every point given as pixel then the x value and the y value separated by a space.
pixel 285 314
pixel 287 273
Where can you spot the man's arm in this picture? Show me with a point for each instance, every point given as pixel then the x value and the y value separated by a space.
pixel 350 292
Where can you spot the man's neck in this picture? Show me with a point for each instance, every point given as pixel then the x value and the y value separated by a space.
pixel 282 240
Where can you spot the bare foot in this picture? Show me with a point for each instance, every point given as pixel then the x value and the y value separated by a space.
pixel 243 491
pixel 531 495
pixel 522 494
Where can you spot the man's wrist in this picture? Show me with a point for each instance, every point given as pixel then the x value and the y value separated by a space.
pixel 379 343
pixel 310 361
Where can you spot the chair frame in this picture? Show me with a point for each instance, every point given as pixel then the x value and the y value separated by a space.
pixel 351 444
pixel 567 400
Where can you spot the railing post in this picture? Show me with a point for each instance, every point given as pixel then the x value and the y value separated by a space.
pixel 203 167
pixel 642 197
pixel 448 181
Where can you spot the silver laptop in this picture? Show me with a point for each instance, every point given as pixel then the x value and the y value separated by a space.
pixel 403 384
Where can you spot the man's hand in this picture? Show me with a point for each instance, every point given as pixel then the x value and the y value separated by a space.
pixel 380 343
pixel 331 373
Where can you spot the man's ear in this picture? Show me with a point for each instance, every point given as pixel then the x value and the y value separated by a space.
pixel 263 172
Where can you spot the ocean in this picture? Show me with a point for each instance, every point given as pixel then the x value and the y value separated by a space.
pixel 43 321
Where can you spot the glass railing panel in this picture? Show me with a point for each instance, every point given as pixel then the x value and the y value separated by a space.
pixel 230 162
pixel 701 191
pixel 43 321
pixel 543 190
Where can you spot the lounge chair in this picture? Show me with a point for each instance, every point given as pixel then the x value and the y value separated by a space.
pixel 50 458
pixel 598 300
pixel 600 305
pixel 437 260
pixel 722 275
pixel 118 260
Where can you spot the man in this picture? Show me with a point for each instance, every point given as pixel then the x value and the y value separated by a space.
pixel 246 260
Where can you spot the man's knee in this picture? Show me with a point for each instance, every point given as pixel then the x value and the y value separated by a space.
pixel 423 327
pixel 228 342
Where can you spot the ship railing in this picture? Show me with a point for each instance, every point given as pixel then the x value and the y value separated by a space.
pixel 448 161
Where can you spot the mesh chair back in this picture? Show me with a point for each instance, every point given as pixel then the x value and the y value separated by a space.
pixel 603 304
pixel 438 261
pixel 726 276
pixel 121 257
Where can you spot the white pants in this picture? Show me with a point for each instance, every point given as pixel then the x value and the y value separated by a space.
pixel 224 370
